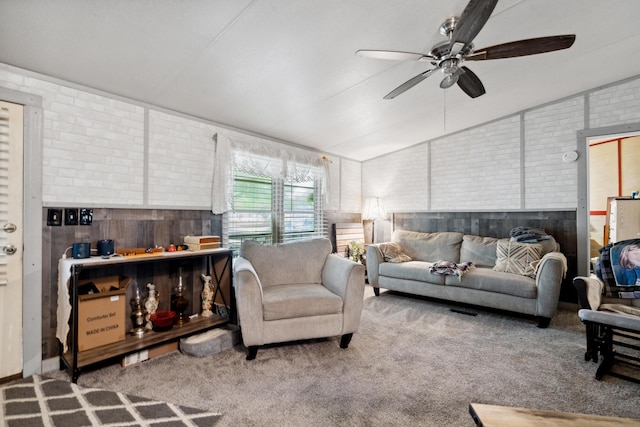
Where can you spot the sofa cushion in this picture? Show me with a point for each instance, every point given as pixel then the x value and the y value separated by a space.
pixel 429 247
pixel 299 300
pixel 392 252
pixel 287 263
pixel 481 251
pixel 486 279
pixel 517 258
pixel 412 270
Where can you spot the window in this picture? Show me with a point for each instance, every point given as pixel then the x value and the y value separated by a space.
pixel 273 210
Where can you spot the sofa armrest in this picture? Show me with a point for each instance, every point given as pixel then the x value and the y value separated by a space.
pixel 551 270
pixel 248 301
pixel 374 259
pixel 345 278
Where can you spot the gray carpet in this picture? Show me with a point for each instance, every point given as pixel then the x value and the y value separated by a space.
pixel 41 401
pixel 413 362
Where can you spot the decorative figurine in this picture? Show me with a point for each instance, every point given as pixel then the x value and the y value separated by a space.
pixel 207 296
pixel 151 304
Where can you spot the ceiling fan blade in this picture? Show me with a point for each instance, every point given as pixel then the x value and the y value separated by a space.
pixel 409 84
pixel 470 83
pixel 523 48
pixel 473 18
pixel 393 55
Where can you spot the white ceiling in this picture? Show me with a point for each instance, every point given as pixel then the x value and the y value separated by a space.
pixel 287 69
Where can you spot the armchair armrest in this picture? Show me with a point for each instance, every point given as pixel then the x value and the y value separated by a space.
pixel 345 278
pixel 248 302
pixel 551 270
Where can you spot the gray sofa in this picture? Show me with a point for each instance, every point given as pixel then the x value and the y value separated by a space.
pixel 480 286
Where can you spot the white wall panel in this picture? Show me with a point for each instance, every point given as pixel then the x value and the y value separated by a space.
pixel 92 145
pixel 180 161
pixel 351 188
pixel 615 105
pixel 478 169
pixel 400 179
pixel 549 132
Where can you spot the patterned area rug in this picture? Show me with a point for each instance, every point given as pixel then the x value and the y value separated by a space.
pixel 41 401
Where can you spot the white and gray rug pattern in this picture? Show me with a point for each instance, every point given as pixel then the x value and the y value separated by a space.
pixel 41 401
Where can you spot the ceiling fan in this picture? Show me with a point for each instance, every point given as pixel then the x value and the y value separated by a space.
pixel 448 56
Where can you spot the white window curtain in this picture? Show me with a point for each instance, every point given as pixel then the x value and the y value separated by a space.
pixel 261 158
pixel 221 189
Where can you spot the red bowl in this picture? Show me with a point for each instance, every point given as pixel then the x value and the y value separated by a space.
pixel 162 320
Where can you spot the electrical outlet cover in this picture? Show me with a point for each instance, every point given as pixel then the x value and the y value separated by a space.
pixel 71 216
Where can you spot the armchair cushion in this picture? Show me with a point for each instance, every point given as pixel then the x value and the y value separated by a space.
pixel 300 300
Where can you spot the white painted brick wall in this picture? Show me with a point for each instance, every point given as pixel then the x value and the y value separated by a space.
pixel 180 161
pixel 93 150
pixel 615 105
pixel 400 179
pixel 549 132
pixel 351 191
pixel 481 168
pixel 92 145
pixel 477 169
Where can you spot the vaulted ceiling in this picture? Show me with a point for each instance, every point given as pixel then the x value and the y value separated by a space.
pixel 287 69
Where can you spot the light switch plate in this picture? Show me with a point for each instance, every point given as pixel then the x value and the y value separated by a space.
pixel 54 217
pixel 71 216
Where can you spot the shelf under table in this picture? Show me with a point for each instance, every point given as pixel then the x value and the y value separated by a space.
pixel 134 343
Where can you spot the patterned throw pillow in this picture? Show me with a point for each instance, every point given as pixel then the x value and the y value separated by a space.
pixel 517 258
pixel 392 252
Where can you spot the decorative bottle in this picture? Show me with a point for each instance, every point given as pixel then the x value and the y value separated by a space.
pixel 179 303
pixel 151 304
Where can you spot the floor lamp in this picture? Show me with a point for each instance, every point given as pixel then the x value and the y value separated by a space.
pixel 373 210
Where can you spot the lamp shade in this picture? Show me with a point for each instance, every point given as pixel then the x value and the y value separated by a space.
pixel 374 209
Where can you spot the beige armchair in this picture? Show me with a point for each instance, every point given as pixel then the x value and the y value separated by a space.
pixel 295 291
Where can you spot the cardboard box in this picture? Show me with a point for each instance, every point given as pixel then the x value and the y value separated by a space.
pixel 101 316
pixel 149 353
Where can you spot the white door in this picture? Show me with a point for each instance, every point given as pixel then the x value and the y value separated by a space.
pixel 11 202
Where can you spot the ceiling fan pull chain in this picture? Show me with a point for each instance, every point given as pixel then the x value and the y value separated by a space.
pixel 444 115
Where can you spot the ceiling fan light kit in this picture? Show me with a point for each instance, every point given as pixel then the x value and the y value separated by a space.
pixel 448 56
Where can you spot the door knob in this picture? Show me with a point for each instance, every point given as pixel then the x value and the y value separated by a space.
pixel 9 249
pixel 9 228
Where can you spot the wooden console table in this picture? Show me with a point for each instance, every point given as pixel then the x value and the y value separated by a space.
pixel 160 269
pixel 503 416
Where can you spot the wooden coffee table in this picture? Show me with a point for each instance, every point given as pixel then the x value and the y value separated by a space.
pixel 503 416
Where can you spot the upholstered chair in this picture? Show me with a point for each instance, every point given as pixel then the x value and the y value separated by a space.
pixel 296 291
